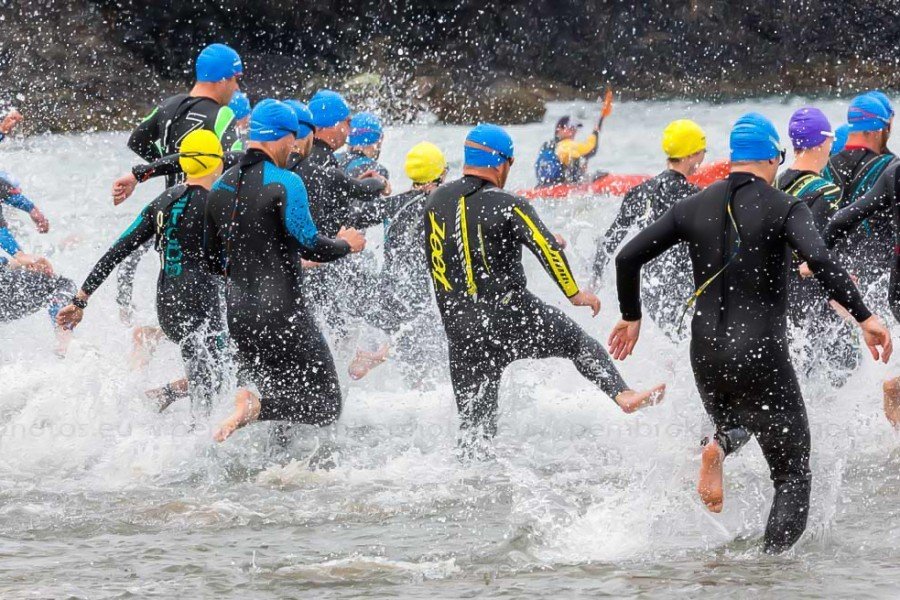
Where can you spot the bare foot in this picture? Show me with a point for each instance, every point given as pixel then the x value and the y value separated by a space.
pixel 365 361
pixel 246 410
pixel 630 400
pixel 891 389
pixel 709 485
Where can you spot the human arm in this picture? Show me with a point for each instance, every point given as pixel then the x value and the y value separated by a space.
pixel 879 198
pixel 568 151
pixel 531 232
pixel 144 140
pixel 625 219
pixel 300 225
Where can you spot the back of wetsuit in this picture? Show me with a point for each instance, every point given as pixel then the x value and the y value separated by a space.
pixel 162 131
pixel 355 164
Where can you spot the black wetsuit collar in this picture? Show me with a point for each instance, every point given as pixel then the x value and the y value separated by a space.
pixel 254 156
pixel 740 178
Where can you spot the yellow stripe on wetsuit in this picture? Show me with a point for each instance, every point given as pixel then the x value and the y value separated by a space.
pixel 554 257
pixel 471 288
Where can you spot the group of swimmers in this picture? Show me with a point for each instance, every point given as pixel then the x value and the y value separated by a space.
pixel 260 236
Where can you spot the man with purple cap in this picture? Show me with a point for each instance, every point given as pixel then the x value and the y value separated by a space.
pixel 826 337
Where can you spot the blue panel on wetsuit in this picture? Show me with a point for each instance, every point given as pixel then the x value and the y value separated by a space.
pixel 297 219
pixel 19 201
pixel 8 242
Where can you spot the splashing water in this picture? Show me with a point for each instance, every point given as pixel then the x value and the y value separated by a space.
pixel 100 497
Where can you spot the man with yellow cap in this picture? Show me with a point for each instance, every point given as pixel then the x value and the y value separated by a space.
pixel 668 280
pixel 405 310
pixel 187 294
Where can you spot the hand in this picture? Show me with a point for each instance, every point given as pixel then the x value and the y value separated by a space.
pixel 623 338
pixel 561 241
pixel 69 317
pixel 805 271
pixel 586 298
pixel 10 121
pixel 309 264
pixel 876 336
pixel 31 262
pixel 40 221
pixel 372 174
pixel 123 187
pixel 353 237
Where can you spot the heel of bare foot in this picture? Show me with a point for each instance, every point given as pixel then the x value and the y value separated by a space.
pixel 891 389
pixel 631 400
pixel 709 485
pixel 246 410
pixel 365 361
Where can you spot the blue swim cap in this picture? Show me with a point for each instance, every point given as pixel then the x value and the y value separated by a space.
pixel 304 118
pixel 840 138
pixel 493 137
pixel 753 138
pixel 365 129
pixel 271 120
pixel 867 113
pixel 217 62
pixel 885 101
pixel 328 108
pixel 239 105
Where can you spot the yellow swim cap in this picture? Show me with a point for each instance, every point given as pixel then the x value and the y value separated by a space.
pixel 682 138
pixel 200 153
pixel 425 163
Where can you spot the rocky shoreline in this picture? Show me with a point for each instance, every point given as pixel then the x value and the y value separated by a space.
pixel 100 64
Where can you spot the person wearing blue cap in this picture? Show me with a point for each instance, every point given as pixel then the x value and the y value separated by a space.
pixel 474 233
pixel 240 106
pixel 258 228
pixel 826 338
pixel 840 138
pixel 867 251
pixel 364 147
pixel 740 233
pixel 218 70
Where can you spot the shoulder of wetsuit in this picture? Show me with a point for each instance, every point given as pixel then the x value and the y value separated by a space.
pixel 169 197
pixel 8 186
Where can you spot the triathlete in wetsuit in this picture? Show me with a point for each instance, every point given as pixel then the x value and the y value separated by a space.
pixel 187 293
pixel 258 229
pixel 218 69
pixel 867 251
pixel 668 279
pixel 819 336
pixel 364 147
pixel 740 233
pixel 474 236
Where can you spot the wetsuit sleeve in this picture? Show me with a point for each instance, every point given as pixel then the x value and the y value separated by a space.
pixel 300 225
pixel 569 151
pixel 144 140
pixel 877 199
pixel 8 242
pixel 624 221
pixel 661 235
pixel 141 230
pixel 19 201
pixel 532 232
pixel 225 130
pixel 803 237
pixel 169 165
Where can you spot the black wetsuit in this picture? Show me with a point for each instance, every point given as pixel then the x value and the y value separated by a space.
pixel 667 280
pixel 823 343
pixel 258 228
pixel 739 348
pixel 884 200
pixel 160 134
pixel 188 296
pixel 474 237
pixel 868 251
pixel 355 164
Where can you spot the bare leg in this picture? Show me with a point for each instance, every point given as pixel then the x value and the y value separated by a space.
pixel 630 400
pixel 365 361
pixel 891 389
pixel 246 410
pixel 709 484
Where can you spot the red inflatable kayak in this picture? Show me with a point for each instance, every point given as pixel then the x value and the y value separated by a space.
pixel 618 185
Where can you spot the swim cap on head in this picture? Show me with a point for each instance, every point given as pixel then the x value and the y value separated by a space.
pixel 200 153
pixel 239 105
pixel 271 120
pixel 867 113
pixel 809 128
pixel 753 138
pixel 840 138
pixel 885 101
pixel 365 129
pixel 304 118
pixel 499 144
pixel 217 62
pixel 682 138
pixel 425 163
pixel 328 108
